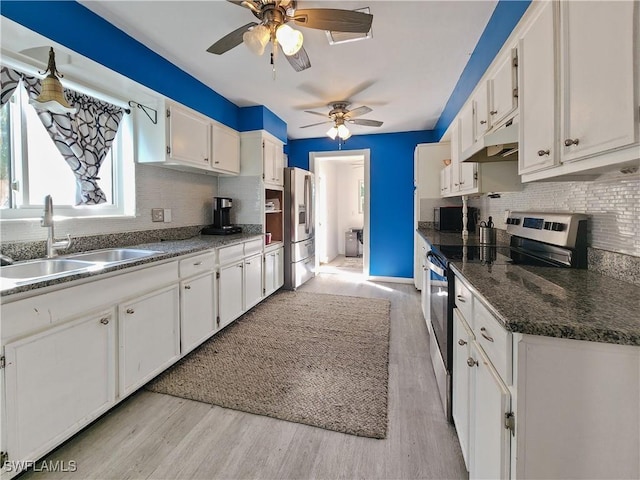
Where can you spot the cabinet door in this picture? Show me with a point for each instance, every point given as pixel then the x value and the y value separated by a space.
pixel 69 370
pixel 461 405
pixel 278 166
pixel 503 85
pixel 270 159
pixel 149 337
pixel 198 313
pixel 598 62
pixel 279 268
pixel 445 180
pixel 188 136
pixel 491 403
pixel 230 285
pixel 269 273
pixel 252 281
pixel 467 128
pixel 537 70
pixel 481 111
pixel 225 149
pixel 467 177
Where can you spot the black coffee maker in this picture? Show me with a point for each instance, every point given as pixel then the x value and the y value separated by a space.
pixel 221 218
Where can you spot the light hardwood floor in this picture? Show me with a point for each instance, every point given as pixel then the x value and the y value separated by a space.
pixel 157 436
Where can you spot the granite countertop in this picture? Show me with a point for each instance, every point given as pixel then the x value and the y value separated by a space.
pixel 554 302
pixel 167 249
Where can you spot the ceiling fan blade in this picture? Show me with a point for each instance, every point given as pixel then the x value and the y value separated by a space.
pixel 314 124
pixel 366 122
pixel 316 113
pixel 334 20
pixel 299 61
pixel 356 112
pixel 230 40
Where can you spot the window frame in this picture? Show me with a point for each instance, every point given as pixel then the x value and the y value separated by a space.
pixel 123 171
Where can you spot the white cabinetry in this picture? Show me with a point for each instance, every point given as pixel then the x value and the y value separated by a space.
pixel 230 292
pixel 445 181
pixel 273 269
pixel 581 108
pixel 464 176
pixel 188 136
pixel 262 154
pixel 461 401
pixel 197 300
pixel 149 337
pixel 41 371
pixel 503 92
pixel 252 280
pixel 225 149
pixel 184 139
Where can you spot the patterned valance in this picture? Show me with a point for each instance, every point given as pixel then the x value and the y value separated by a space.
pixel 83 138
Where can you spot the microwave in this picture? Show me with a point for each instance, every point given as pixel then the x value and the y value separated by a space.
pixel 449 219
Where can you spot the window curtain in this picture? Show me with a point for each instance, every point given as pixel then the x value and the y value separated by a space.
pixel 83 138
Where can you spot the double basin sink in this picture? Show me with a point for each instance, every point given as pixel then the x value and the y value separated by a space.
pixel 48 268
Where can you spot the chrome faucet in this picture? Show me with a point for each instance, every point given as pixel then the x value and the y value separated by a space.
pixel 47 221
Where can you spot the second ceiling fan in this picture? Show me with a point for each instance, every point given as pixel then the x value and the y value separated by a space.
pixel 339 115
pixel 274 15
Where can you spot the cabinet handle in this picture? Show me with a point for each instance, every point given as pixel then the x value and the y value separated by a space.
pixel 240 266
pixel 104 321
pixel 482 122
pixel 461 183
pixel 461 299
pixel 248 263
pixel 217 161
pixel 542 153
pixel 456 184
pixel 493 112
pixel 205 160
pixel 462 343
pixel 571 141
pixel 187 287
pixel 483 330
pixel 197 264
pixel 130 311
pixel 471 362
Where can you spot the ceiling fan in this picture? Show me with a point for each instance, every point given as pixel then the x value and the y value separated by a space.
pixel 340 115
pixel 273 28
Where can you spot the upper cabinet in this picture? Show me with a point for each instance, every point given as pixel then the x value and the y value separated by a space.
pixel 184 139
pixel 273 158
pixel 579 89
pixel 503 89
pixel 263 154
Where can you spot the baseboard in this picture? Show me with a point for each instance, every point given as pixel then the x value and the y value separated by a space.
pixel 374 278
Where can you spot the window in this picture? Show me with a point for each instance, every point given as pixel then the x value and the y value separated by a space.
pixel 31 167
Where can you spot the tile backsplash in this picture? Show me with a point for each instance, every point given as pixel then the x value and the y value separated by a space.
pixel 612 201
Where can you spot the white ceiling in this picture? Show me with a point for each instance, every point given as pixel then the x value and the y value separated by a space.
pixel 405 72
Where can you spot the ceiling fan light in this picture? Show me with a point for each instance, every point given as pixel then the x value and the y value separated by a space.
pixel 257 39
pixel 289 39
pixel 343 132
pixel 332 133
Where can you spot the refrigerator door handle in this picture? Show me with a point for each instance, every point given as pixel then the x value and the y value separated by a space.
pixel 307 196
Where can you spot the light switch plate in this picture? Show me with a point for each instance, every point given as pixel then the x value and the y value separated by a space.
pixel 157 215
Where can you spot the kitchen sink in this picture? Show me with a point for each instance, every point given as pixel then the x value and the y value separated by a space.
pixel 112 255
pixel 46 268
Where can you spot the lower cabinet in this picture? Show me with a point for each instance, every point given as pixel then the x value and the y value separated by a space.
pixel 230 293
pixel 197 310
pixel 273 270
pixel 58 381
pixel 461 401
pixel 252 281
pixel 149 337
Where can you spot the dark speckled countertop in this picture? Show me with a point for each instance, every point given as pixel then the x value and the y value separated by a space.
pixel 553 302
pixel 167 249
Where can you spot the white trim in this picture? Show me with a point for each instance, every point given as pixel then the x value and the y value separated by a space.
pixel 366 154
pixel 376 278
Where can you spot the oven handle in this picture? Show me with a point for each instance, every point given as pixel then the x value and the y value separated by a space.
pixel 433 267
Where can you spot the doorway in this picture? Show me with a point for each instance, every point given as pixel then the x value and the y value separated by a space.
pixel 342 211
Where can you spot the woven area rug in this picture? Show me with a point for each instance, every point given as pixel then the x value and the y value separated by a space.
pixel 310 358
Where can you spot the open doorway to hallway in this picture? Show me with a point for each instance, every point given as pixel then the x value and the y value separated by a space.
pixel 342 211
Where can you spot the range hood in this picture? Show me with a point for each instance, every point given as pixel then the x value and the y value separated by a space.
pixel 498 146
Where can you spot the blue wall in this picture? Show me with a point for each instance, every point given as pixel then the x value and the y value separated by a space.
pixel 390 193
pixel 82 31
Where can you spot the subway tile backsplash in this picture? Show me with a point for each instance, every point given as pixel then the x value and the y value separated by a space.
pixel 612 202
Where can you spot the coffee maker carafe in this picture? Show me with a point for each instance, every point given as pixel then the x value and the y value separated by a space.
pixel 221 218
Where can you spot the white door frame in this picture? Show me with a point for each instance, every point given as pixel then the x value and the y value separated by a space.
pixel 364 153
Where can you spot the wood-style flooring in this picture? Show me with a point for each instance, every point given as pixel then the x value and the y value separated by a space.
pixel 158 436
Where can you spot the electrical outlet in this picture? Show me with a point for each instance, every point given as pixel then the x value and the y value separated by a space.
pixel 167 215
pixel 157 215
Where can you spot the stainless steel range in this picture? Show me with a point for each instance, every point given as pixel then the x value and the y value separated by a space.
pixel 537 238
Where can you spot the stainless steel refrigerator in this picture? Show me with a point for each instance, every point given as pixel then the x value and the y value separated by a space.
pixel 299 229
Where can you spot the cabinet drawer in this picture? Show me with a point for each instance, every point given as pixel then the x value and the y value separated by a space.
pixel 194 265
pixel 253 246
pixel 464 300
pixel 494 339
pixel 230 254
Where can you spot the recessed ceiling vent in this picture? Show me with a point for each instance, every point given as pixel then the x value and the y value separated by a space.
pixel 336 38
